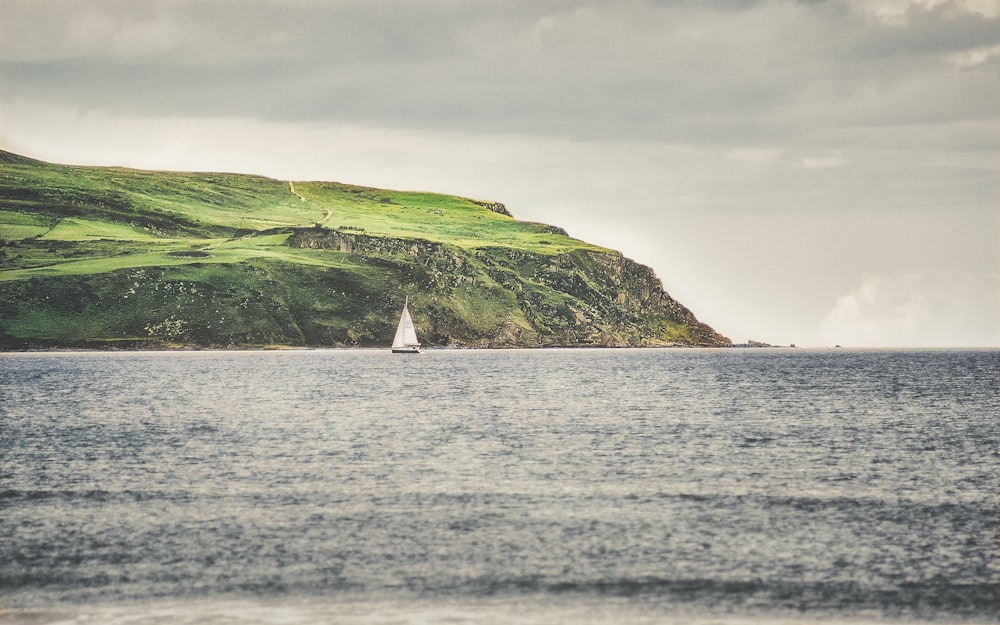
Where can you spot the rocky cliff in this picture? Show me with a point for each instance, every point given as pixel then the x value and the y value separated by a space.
pixel 581 298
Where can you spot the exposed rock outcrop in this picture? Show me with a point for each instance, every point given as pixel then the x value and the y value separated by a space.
pixel 496 207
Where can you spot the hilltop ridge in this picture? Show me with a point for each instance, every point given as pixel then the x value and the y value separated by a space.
pixel 111 257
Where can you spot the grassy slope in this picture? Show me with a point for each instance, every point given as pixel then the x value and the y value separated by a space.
pixel 109 255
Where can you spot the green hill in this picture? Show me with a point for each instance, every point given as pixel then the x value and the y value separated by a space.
pixel 112 257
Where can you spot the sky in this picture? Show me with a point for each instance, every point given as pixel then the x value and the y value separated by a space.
pixel 818 173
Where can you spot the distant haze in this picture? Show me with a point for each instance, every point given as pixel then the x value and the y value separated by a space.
pixel 812 172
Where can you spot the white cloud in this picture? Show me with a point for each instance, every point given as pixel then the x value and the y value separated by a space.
pixel 895 11
pixel 974 58
pixel 882 311
pixel 914 309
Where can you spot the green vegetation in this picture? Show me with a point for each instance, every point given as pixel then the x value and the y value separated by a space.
pixel 112 257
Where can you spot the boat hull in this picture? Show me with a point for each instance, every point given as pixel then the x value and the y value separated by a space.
pixel 405 350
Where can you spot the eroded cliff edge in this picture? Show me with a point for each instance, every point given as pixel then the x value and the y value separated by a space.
pixel 523 299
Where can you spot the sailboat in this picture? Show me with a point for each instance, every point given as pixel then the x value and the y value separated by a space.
pixel 405 341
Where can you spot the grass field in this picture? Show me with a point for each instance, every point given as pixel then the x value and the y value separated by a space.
pixel 156 213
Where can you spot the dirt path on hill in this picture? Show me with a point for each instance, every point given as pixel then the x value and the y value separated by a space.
pixel 291 187
pixel 326 211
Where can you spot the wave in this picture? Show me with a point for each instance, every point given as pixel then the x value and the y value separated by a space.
pixel 929 601
pixel 915 600
pixel 16 496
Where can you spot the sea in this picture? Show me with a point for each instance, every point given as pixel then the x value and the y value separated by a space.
pixel 522 487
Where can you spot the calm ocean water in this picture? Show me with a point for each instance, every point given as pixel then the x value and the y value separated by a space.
pixel 526 487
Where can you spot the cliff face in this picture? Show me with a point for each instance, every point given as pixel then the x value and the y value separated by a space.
pixel 580 298
pixel 112 257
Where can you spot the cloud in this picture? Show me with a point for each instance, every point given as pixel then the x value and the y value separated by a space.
pixel 684 71
pixel 975 57
pixel 914 309
pixel 896 11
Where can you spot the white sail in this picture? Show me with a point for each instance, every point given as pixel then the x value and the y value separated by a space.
pixel 405 340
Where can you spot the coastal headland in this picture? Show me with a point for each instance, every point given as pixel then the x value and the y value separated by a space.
pixel 116 258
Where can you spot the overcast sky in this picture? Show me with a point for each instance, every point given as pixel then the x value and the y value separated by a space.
pixel 812 172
